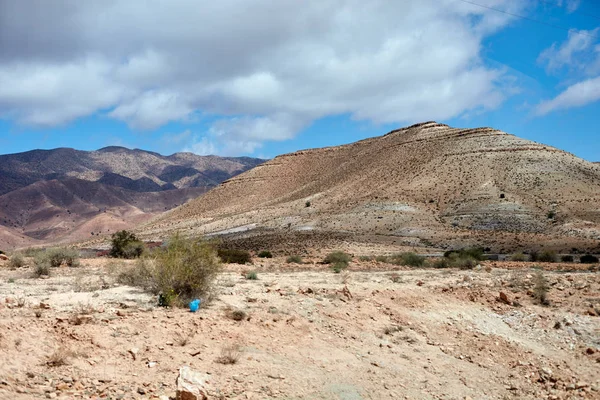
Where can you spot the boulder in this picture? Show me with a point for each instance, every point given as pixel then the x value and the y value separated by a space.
pixel 191 385
pixel 4 257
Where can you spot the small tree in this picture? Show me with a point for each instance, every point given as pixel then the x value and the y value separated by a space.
pixel 126 245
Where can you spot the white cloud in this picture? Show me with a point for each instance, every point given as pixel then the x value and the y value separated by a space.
pixel 202 146
pixel 571 5
pixel 265 69
pixel 575 52
pixel 576 95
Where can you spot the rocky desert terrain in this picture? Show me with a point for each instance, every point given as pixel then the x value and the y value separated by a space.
pixel 426 184
pixel 299 331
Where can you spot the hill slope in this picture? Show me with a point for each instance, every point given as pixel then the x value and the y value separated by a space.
pixel 62 195
pixel 427 182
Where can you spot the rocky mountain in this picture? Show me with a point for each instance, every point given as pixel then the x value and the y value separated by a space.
pixel 66 194
pixel 427 184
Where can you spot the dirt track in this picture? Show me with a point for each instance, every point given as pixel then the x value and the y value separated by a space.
pixel 411 334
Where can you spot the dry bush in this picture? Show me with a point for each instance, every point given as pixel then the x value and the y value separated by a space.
pixel 409 259
pixel 16 261
pixel 234 256
pixel 520 257
pixel 391 329
pixel 183 340
pixel 294 260
pixel 235 314
pixel 346 277
pixel 395 277
pixel 229 354
pixel 183 270
pixel 541 288
pixel 60 357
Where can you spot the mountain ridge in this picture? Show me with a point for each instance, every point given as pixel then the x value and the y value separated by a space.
pixel 427 182
pixel 38 187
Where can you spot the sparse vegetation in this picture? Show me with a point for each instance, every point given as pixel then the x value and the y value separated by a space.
pixel 229 354
pixel 588 259
pixel 409 259
pixel 236 314
pixel 338 260
pixel 181 339
pixel 16 261
pixel 183 270
pixel 441 263
pixel 234 256
pixel 338 257
pixel 547 256
pixel 365 258
pixel 265 254
pixel 294 260
pixel 475 253
pixel 125 244
pixel 541 288
pixel 567 258
pixel 59 358
pixel 381 259
pixel 41 267
pixel 518 257
pixel 58 256
pixel 252 276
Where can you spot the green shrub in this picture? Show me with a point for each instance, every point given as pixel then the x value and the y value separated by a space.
pixel 588 259
pixel 534 256
pixel 567 258
pixel 307 204
pixel 551 214
pixel 57 256
pixel 265 254
pixel 234 256
pixel 294 260
pixel 409 259
pixel 518 257
pixel 181 271
pixel 41 266
pixel 16 261
pixel 338 257
pixel 339 267
pixel 365 258
pixel 125 244
pixel 475 253
pixel 252 276
pixel 381 259
pixel 547 256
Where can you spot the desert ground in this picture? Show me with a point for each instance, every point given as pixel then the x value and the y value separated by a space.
pixel 374 331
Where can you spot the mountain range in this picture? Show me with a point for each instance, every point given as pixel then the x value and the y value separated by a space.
pixel 64 195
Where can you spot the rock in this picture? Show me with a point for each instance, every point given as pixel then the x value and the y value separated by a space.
pixel 504 298
pixel 4 257
pixel 141 390
pixel 581 385
pixel 51 395
pixel 134 351
pixel 591 312
pixel 590 351
pixel 191 385
pixel 44 306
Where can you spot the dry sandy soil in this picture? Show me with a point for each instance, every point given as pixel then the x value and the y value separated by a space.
pixel 369 333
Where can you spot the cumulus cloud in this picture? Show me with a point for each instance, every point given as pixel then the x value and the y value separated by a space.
pixel 576 52
pixel 582 58
pixel 264 69
pixel 576 95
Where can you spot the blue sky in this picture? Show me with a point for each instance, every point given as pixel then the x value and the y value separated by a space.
pixel 274 77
